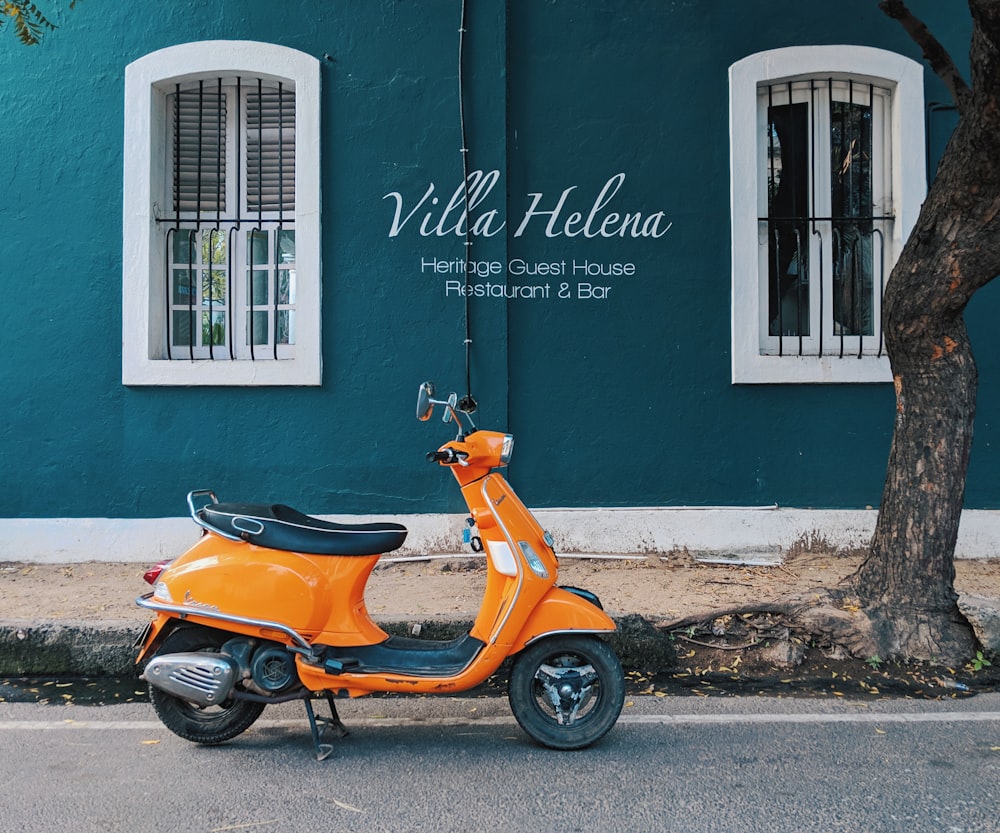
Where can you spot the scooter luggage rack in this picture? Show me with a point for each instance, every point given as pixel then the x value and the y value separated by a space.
pixel 197 518
pixel 183 611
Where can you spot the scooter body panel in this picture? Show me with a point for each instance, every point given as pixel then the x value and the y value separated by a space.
pixel 521 566
pixel 320 597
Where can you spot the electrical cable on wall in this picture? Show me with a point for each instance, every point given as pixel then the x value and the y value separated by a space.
pixel 466 403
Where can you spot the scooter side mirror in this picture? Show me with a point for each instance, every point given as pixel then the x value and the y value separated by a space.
pixel 425 401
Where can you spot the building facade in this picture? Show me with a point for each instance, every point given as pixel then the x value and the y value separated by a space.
pixel 650 239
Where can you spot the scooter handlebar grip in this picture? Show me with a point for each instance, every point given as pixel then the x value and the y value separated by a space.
pixel 447 455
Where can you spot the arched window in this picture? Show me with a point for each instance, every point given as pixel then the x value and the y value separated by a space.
pixel 221 258
pixel 827 166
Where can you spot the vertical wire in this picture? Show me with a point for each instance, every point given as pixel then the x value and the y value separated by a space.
pixel 468 220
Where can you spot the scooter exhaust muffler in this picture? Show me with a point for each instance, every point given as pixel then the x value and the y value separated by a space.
pixel 202 679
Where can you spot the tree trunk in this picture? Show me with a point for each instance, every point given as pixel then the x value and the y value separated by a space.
pixel 906 584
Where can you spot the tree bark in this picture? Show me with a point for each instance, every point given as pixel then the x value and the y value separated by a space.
pixel 906 584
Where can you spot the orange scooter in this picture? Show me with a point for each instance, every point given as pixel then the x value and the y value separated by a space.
pixel 269 606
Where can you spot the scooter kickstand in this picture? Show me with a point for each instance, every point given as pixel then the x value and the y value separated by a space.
pixel 324 750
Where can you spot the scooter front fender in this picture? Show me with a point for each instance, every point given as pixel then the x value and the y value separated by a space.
pixel 560 611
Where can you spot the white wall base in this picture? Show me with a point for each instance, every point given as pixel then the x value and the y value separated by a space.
pixel 723 531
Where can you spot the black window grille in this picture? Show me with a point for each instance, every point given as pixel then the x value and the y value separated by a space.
pixel 823 157
pixel 232 164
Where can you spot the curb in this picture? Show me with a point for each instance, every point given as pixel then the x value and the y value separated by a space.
pixel 67 648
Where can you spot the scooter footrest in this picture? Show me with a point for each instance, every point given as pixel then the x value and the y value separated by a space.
pixel 402 655
pixel 339 665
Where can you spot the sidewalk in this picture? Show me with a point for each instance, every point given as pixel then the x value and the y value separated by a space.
pixel 81 619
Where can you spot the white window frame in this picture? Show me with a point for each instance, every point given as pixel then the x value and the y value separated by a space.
pixel 148 81
pixel 751 362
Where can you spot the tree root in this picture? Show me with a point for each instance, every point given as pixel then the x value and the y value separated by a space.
pixel 834 617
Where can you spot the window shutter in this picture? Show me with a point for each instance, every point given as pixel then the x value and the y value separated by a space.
pixel 270 143
pixel 199 152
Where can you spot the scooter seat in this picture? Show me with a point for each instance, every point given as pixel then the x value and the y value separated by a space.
pixel 280 527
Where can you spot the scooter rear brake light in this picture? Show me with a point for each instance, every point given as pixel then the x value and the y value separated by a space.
pixel 153 573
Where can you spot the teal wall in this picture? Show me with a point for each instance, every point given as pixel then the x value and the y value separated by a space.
pixel 618 401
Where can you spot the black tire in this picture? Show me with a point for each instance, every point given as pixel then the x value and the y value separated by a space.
pixel 583 674
pixel 211 724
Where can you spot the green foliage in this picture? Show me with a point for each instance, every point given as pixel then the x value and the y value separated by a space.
pixel 980 662
pixel 27 19
pixel 874 661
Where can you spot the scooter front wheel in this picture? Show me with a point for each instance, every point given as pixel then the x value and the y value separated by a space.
pixel 208 725
pixel 567 691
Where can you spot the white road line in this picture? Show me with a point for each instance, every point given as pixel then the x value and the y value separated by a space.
pixel 625 720
pixel 858 717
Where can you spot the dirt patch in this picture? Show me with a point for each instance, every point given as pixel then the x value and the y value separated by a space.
pixel 658 588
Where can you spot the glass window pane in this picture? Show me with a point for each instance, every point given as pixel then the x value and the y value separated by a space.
pixel 182 249
pixel 213 247
pixel 787 210
pixel 261 287
pixel 286 326
pixel 213 328
pixel 852 209
pixel 257 321
pixel 851 162
pixel 213 291
pixel 286 246
pixel 181 328
pixel 258 250
pixel 853 285
pixel 286 286
pixel 183 286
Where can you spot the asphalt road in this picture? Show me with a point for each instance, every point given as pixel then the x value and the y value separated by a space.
pixel 743 764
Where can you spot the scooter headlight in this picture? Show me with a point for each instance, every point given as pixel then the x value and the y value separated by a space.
pixel 507 450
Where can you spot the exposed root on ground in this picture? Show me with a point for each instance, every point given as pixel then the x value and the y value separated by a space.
pixel 833 620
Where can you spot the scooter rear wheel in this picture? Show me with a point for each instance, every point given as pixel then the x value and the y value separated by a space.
pixel 208 725
pixel 567 691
